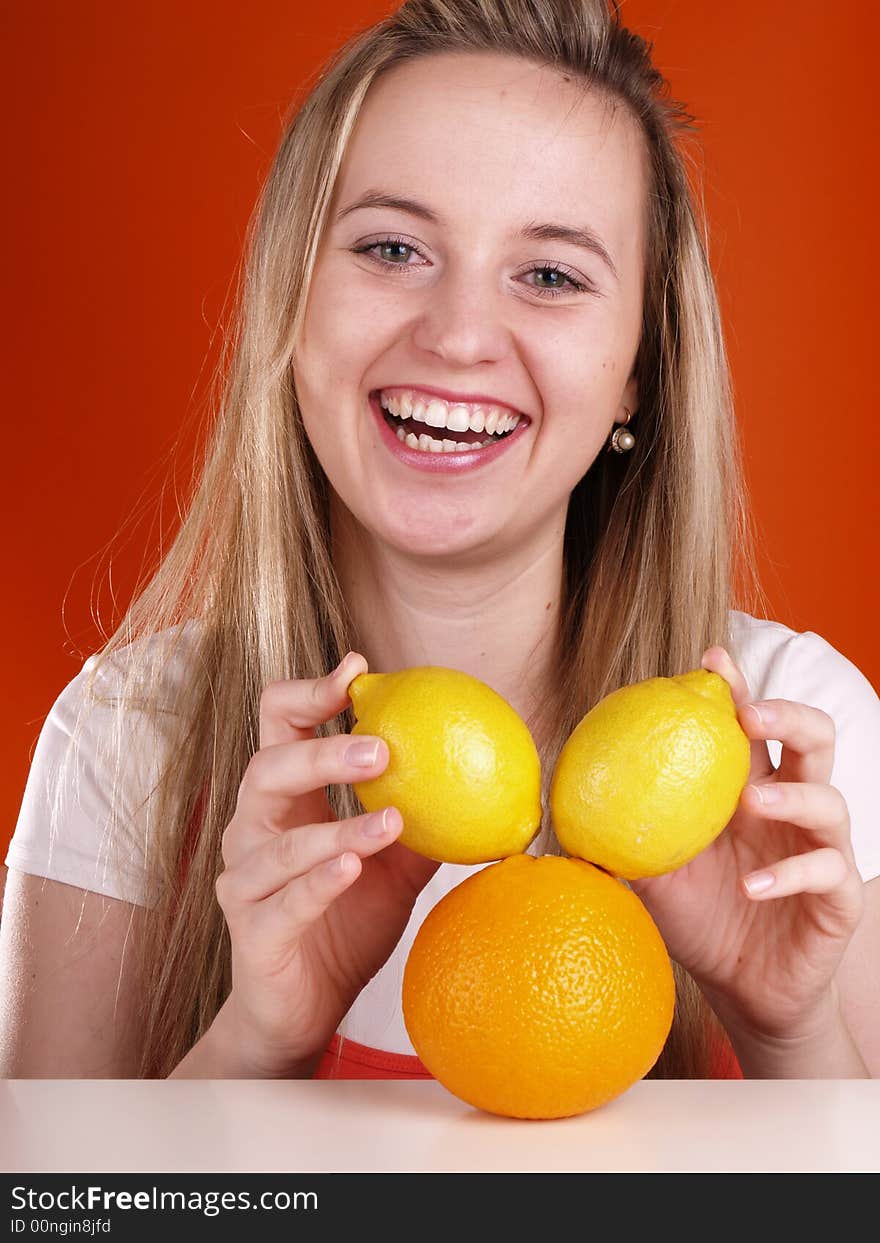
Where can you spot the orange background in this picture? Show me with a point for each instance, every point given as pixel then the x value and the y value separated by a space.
pixel 139 136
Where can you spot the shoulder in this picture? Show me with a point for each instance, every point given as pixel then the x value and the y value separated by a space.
pixel 779 662
pixel 87 809
pixel 143 675
pixel 802 666
pixel 161 660
pixel 128 704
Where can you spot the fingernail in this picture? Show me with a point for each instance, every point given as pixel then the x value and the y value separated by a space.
pixel 764 712
pixel 380 823
pixel 343 864
pixel 373 826
pixel 767 794
pixel 759 882
pixel 341 665
pixel 363 754
pixel 721 657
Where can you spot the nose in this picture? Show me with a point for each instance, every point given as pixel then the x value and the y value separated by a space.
pixel 462 319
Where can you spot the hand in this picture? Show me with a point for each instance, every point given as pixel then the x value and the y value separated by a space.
pixel 761 918
pixel 314 906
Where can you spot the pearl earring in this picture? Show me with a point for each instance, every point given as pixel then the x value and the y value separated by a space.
pixel 622 439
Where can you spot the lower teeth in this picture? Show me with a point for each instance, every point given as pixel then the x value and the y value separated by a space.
pixel 429 445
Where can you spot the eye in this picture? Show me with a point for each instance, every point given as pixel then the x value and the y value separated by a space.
pixel 394 252
pixel 386 247
pixel 563 281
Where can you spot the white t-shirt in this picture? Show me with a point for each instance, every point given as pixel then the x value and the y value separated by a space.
pixel 777 662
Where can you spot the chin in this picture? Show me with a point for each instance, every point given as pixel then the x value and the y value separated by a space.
pixel 413 527
pixel 424 540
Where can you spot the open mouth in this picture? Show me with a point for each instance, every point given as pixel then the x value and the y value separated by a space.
pixel 437 426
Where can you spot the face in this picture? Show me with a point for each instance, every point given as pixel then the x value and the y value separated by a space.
pixel 509 283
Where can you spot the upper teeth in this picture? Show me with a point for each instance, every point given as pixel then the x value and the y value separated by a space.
pixel 456 416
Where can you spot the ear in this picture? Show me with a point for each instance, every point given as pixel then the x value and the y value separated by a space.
pixel 630 398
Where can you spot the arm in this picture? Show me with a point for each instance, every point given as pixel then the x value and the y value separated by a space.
pixel 828 1052
pixel 68 992
pixel 847 1044
pixel 858 980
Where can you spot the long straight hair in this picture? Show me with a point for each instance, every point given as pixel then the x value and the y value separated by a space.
pixel 248 587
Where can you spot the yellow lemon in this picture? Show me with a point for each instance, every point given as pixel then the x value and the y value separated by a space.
pixel 651 775
pixel 464 771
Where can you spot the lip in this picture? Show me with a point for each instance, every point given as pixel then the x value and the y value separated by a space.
pixel 443 463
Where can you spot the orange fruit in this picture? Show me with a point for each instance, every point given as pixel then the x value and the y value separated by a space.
pixel 538 988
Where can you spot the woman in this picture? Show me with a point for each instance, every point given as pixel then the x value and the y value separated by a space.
pixel 479 221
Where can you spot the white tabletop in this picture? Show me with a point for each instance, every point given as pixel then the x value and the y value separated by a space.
pixel 311 1126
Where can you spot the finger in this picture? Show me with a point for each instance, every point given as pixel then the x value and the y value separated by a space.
pixel 807 736
pixel 291 710
pixel 717 660
pixel 819 809
pixel 278 775
pixel 824 872
pixel 299 851
pixel 283 919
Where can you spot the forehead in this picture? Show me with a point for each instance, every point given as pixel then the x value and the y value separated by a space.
pixel 477 134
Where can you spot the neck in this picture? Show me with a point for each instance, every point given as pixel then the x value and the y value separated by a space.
pixel 492 614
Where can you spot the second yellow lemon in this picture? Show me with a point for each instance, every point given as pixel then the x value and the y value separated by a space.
pixel 651 775
pixel 464 771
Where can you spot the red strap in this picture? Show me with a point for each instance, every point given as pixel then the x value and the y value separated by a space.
pixel 725 1065
pixel 359 1061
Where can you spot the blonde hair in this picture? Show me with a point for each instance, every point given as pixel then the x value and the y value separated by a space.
pixel 649 546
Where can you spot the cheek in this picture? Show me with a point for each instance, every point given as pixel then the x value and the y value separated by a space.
pixel 580 398
pixel 348 316
pixel 580 390
pixel 328 358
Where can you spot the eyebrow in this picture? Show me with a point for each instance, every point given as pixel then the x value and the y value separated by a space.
pixel 586 238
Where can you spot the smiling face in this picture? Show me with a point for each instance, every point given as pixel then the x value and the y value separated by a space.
pixel 514 275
